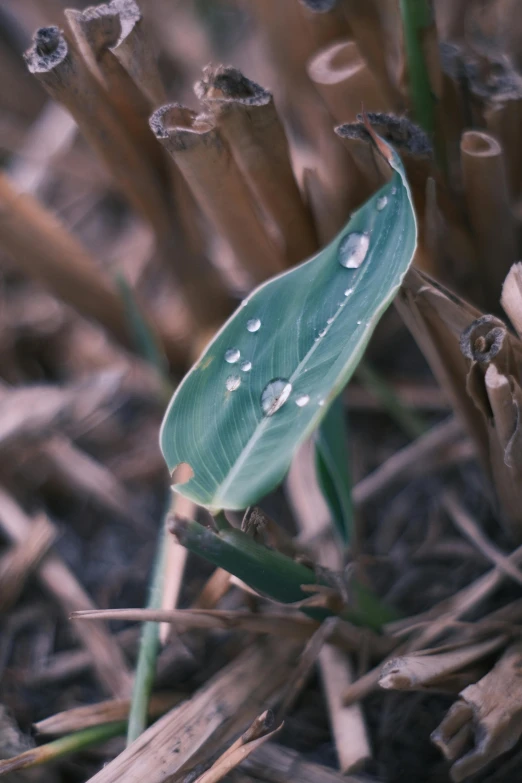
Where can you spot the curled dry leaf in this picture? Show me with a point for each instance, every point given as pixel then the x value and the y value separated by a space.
pixel 488 716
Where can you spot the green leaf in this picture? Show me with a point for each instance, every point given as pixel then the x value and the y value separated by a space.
pixel 272 573
pixel 332 464
pixel 314 324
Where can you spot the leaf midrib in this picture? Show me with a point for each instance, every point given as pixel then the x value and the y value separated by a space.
pixel 260 429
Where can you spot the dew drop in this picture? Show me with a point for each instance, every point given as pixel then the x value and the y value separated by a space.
pixel 381 203
pixel 330 320
pixel 359 323
pixel 232 355
pixel 253 325
pixel 348 291
pixel 274 395
pixel 246 366
pixel 322 333
pixel 394 191
pixel 353 249
pixel 321 403
pixel 302 400
pixel 233 382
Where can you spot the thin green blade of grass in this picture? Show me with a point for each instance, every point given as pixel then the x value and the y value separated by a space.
pixel 64 746
pixel 417 15
pixel 408 420
pixel 266 381
pixel 332 463
pixel 146 342
pixel 149 643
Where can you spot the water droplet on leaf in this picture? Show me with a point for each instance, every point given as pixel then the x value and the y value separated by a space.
pixel 274 395
pixel 348 291
pixel 394 191
pixel 381 203
pixel 330 320
pixel 232 355
pixel 246 366
pixel 321 403
pixel 253 324
pixel 233 382
pixel 322 333
pixel 302 400
pixel 353 249
pixel 359 323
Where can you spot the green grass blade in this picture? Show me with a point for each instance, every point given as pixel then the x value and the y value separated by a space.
pixel 149 645
pixel 332 461
pixel 145 341
pixel 416 16
pixel 71 743
pixel 309 327
pixel 409 421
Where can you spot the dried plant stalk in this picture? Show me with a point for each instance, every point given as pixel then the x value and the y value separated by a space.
pixel 66 77
pixel 254 737
pixel 345 82
pixel 20 561
pixel 79 718
pixel 62 71
pixel 313 516
pixel 503 120
pixel 246 115
pixel 348 725
pixel 102 34
pixel 345 636
pixel 488 714
pixel 511 299
pixel 488 204
pixel 434 669
pixel 225 705
pixel 276 764
pixel 493 383
pixel 436 318
pixel 107 657
pixel 46 251
pixel 206 162
pixel 377 30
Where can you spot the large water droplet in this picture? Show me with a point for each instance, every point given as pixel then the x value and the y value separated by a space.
pixel 233 382
pixel 253 324
pixel 232 355
pixel 246 366
pixel 381 203
pixel 302 400
pixel 274 395
pixel 353 249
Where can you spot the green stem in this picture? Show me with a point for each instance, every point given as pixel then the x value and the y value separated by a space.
pixel 149 643
pixel 410 422
pixel 71 743
pixel 417 16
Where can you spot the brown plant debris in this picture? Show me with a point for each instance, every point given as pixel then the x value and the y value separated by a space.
pixel 487 717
